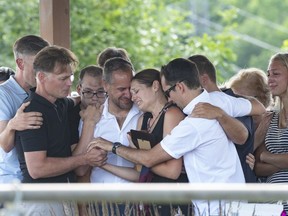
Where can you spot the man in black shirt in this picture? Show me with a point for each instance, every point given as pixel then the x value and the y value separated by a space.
pixel 45 154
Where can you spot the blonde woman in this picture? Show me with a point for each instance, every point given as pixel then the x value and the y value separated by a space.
pixel 272 157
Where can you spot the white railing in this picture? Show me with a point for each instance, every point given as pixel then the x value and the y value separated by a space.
pixel 177 193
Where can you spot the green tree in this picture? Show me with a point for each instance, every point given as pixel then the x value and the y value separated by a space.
pixel 17 18
pixel 152 31
pixel 259 26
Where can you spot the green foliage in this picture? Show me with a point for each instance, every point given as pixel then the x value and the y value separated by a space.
pixel 18 18
pixel 261 29
pixel 153 32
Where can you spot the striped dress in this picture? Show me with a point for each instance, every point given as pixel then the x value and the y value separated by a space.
pixel 276 142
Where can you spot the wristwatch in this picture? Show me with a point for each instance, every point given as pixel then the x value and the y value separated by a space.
pixel 115 146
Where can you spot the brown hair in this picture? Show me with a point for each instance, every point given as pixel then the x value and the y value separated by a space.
pixel 47 58
pixel 111 52
pixel 253 80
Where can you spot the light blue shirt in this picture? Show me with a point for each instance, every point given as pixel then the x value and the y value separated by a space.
pixel 11 98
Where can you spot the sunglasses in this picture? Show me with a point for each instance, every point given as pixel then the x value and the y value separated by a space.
pixel 167 92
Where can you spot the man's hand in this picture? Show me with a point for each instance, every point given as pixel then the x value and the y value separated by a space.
pixel 25 120
pixel 100 143
pixel 96 157
pixel 206 110
pixel 92 113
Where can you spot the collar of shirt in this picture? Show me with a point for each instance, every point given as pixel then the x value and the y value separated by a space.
pixel 132 112
pixel 203 97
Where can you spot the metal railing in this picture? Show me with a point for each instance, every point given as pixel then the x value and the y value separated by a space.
pixel 178 192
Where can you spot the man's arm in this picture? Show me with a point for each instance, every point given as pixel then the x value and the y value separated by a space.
pixel 234 129
pixel 21 121
pixel 257 107
pixel 90 116
pixel 147 158
pixel 41 166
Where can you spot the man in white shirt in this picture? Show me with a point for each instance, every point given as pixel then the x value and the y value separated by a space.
pixel 209 156
pixel 242 134
pixel 119 115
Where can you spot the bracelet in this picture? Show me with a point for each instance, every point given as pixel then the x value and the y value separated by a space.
pixel 115 146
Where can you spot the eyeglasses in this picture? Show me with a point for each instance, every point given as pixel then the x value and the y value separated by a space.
pixel 90 94
pixel 167 92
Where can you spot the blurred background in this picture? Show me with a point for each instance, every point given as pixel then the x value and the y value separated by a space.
pixel 233 34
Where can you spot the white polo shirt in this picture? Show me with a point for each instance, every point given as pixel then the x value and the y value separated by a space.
pixel 209 156
pixel 108 129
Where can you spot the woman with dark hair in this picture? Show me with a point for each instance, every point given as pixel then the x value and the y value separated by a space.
pixel 159 118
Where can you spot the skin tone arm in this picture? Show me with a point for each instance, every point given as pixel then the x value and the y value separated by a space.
pixel 171 168
pixel 262 168
pixel 278 160
pixel 21 121
pixel 234 129
pixel 41 166
pixel 257 107
pixel 148 158
pixel 127 173
pixel 260 133
pixel 90 116
pixel 259 139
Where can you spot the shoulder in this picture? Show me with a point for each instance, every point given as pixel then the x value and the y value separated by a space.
pixel 67 102
pixel 174 110
pixel 5 89
pixel 174 114
pixel 140 121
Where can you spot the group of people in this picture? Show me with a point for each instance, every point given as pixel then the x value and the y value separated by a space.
pixel 203 133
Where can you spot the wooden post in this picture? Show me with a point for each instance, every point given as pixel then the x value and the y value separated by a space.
pixel 55 22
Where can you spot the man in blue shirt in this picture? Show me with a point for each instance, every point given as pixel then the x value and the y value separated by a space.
pixel 12 94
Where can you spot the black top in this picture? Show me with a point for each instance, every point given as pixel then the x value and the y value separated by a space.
pixel 158 133
pixel 53 136
pixel 74 119
pixel 248 146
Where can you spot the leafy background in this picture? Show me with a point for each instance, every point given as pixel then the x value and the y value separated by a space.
pixel 233 34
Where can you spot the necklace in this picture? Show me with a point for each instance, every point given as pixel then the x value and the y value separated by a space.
pixel 151 126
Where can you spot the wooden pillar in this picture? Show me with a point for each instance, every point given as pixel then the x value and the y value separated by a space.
pixel 55 22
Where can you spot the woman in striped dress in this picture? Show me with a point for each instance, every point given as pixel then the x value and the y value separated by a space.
pixel 272 158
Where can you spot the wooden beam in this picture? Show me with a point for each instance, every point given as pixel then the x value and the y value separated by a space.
pixel 55 21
